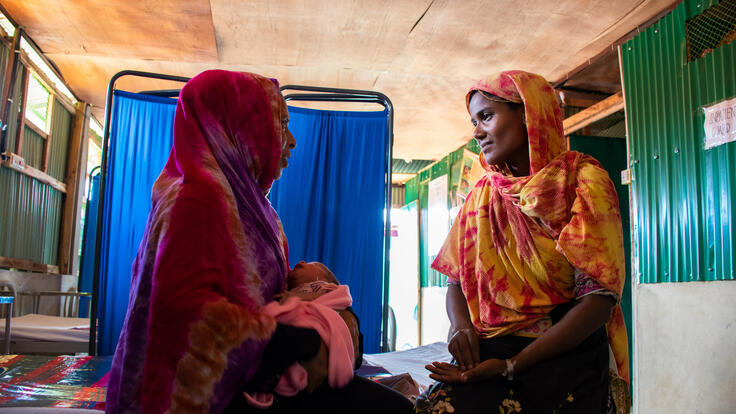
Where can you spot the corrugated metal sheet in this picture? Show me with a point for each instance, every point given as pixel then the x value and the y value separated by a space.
pixel 397 196
pixel 411 190
pixel 399 166
pixel 30 219
pixel 473 146
pixel 32 150
pixel 61 132
pixel 31 213
pixel 683 195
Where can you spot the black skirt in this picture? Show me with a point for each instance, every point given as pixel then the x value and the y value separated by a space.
pixel 575 382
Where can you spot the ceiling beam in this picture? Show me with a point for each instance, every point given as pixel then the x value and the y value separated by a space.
pixel 602 109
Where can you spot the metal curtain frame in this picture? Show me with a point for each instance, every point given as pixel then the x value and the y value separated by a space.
pixel 322 95
pixel 91 174
pixel 103 177
pixel 354 95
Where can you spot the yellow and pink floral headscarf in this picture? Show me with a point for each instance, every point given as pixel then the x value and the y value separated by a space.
pixel 515 244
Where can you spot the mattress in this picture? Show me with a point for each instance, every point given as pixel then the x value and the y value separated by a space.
pixel 48 328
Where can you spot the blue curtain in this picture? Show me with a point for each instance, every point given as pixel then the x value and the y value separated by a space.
pixel 87 265
pixel 141 137
pixel 331 201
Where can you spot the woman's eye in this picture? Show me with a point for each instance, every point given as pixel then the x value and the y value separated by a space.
pixel 486 116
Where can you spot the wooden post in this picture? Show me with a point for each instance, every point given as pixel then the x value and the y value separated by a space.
pixel 11 73
pixel 22 114
pixel 602 109
pixel 12 59
pixel 75 178
pixel 27 265
pixel 46 145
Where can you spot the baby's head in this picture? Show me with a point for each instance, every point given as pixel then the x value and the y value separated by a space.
pixel 307 273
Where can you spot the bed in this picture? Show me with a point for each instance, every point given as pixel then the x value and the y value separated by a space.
pixel 34 333
pixel 30 383
pixel 39 333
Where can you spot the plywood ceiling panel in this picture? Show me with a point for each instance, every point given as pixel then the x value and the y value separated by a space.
pixel 152 29
pixel 423 54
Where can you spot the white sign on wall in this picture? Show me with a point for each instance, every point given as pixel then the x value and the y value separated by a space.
pixel 720 123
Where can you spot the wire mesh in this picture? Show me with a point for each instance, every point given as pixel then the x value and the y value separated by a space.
pixel 713 28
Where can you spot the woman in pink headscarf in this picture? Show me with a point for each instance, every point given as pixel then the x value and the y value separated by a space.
pixel 213 256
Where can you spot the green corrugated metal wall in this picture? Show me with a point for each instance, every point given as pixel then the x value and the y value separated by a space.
pixel 683 195
pixel 61 131
pixel 32 151
pixel 31 215
pixel 31 219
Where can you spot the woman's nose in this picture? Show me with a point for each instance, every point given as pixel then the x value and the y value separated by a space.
pixel 291 141
pixel 478 132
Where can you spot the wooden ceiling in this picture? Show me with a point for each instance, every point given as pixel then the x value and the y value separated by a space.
pixel 423 54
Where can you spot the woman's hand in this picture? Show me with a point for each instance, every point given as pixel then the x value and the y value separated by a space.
pixel 464 346
pixel 452 374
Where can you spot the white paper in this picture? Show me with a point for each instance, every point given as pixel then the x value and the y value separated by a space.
pixel 720 123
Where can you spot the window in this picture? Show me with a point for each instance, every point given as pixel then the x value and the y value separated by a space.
pixel 38 104
pixel 711 29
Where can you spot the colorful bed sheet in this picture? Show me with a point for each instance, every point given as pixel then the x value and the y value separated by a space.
pixel 53 381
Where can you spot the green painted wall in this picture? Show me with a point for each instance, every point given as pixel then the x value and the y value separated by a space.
pixel 682 194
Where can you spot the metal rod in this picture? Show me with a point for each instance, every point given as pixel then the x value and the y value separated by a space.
pixel 327 94
pixel 8 300
pixel 332 98
pixel 84 233
pixel 101 200
pixel 165 93
pixel 354 95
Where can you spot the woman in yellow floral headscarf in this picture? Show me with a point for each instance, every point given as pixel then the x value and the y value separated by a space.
pixel 535 267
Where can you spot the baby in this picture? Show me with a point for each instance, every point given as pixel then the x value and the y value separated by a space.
pixel 312 277
pixel 308 281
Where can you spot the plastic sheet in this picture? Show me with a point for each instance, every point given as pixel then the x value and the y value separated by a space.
pixel 53 381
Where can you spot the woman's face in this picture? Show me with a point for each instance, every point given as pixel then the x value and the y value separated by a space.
pixel 287 140
pixel 500 131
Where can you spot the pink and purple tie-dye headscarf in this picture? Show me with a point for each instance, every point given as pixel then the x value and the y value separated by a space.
pixel 213 253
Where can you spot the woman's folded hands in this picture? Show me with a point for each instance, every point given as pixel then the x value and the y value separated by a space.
pixel 464 346
pixel 450 373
